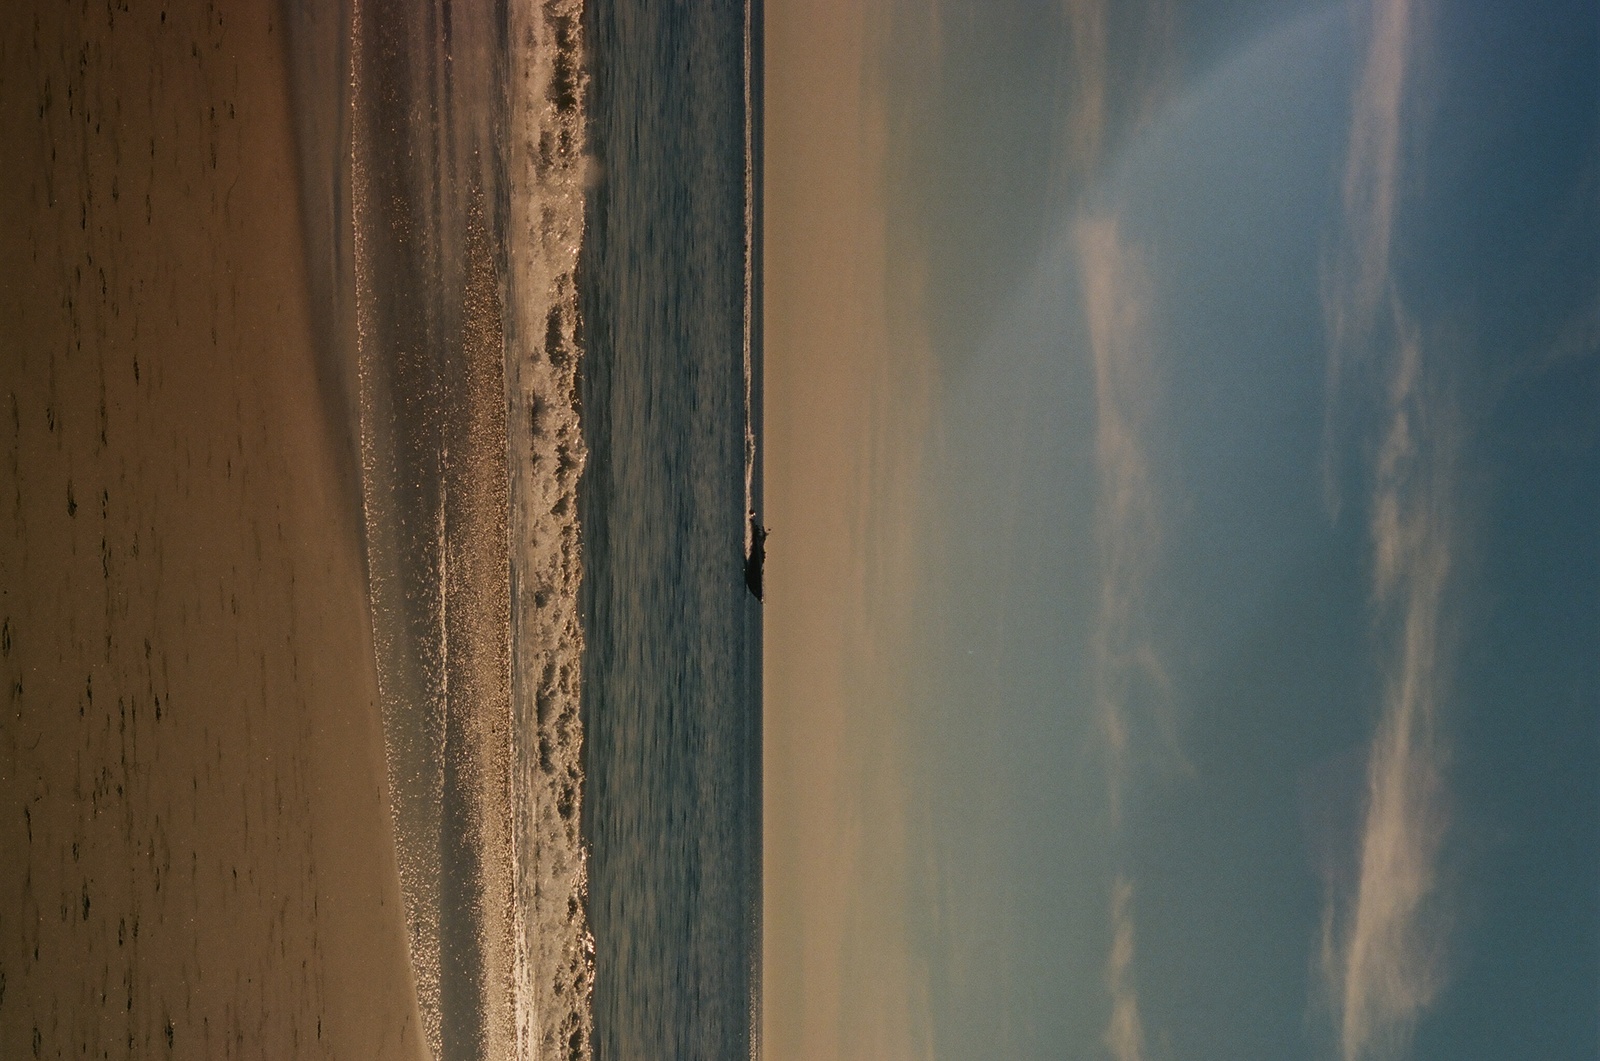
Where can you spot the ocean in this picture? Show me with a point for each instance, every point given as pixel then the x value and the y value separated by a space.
pixel 545 252
pixel 672 676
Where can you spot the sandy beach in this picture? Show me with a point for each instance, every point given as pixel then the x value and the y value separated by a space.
pixel 196 856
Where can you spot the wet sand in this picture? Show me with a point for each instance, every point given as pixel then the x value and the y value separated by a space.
pixel 196 857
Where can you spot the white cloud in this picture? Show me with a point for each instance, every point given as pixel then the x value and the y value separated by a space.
pixel 1383 948
pixel 1384 951
pixel 1124 1035
pixel 1116 291
pixel 1360 278
pixel 1372 169
pixel 1086 19
pixel 1117 297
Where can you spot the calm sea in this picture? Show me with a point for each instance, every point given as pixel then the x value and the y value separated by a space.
pixel 540 244
pixel 672 675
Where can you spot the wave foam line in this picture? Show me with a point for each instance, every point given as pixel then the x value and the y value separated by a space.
pixel 548 171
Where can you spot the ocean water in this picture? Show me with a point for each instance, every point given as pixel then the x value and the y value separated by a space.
pixel 551 311
pixel 672 679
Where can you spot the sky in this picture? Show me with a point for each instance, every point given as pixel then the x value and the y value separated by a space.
pixel 1183 460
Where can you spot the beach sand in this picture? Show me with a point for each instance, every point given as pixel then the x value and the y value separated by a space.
pixel 196 857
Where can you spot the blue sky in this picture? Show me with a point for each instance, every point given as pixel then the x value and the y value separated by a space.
pixel 1218 425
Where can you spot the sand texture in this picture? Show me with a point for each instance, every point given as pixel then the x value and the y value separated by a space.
pixel 196 857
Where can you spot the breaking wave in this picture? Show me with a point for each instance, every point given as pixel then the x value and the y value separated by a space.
pixel 548 172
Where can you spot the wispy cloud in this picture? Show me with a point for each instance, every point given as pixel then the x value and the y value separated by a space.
pixel 1372 169
pixel 1383 947
pixel 1359 279
pixel 1116 79
pixel 1086 23
pixel 1124 1035
pixel 1117 295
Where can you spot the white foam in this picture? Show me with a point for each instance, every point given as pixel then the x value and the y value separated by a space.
pixel 547 173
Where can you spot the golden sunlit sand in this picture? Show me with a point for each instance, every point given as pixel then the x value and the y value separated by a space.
pixel 195 850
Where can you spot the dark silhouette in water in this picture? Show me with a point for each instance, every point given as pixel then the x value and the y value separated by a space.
pixel 756 557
